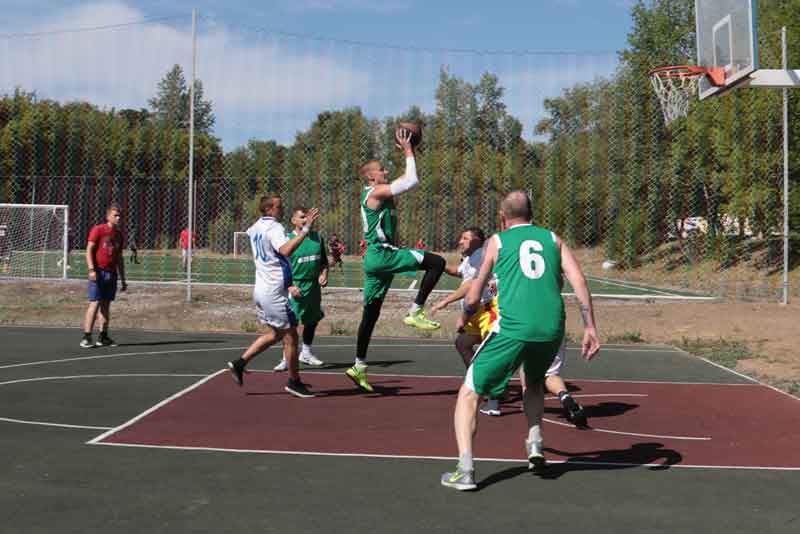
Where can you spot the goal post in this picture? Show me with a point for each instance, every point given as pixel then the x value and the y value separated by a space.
pixel 34 240
pixel 241 245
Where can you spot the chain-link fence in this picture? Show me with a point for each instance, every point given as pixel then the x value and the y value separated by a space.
pixel 695 208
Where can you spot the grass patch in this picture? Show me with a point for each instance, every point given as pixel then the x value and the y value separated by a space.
pixel 790 386
pixel 626 337
pixel 721 351
pixel 249 326
pixel 338 328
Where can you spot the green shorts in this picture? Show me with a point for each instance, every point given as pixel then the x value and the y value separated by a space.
pixel 308 308
pixel 498 358
pixel 381 263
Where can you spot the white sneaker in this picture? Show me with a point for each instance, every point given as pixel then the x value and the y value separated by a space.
pixel 536 461
pixel 281 366
pixel 491 407
pixel 309 359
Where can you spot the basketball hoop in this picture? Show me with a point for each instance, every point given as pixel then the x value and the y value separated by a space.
pixel 676 85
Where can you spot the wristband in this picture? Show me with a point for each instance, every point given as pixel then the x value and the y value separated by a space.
pixel 91 270
pixel 305 229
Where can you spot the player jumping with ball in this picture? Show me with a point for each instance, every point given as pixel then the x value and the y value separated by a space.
pixel 384 258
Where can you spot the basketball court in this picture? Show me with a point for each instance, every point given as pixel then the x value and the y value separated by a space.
pixel 155 431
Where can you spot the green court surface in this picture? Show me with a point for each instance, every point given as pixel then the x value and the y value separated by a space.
pixel 154 267
pixel 56 399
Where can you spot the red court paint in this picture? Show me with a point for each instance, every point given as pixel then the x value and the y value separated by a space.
pixel 749 426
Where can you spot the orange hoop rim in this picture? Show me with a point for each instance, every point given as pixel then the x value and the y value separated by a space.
pixel 715 74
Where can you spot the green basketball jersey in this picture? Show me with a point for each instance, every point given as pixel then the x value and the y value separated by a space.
pixel 380 226
pixel 307 258
pixel 528 271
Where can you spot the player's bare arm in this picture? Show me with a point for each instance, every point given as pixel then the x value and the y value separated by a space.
pixel 323 274
pixel 91 247
pixel 407 181
pixel 121 272
pixel 455 296
pixel 473 297
pixel 573 273
pixel 452 269
pixel 290 246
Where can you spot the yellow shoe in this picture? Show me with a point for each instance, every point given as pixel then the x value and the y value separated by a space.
pixel 417 319
pixel 359 378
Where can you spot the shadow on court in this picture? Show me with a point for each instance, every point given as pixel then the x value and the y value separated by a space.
pixel 180 342
pixel 640 454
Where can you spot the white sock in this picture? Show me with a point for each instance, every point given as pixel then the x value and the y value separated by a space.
pixel 465 462
pixel 305 348
pixel 535 434
pixel 414 307
pixel 361 364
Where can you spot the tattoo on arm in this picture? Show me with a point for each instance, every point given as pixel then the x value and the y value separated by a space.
pixel 585 314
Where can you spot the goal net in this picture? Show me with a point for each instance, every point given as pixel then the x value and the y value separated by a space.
pixel 34 241
pixel 241 245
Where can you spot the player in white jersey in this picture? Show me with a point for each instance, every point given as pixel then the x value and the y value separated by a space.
pixel 271 249
pixel 472 330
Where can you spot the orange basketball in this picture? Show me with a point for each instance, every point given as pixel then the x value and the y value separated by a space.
pixel 416 132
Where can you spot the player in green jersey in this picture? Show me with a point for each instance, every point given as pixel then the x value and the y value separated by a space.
pixel 528 262
pixel 384 258
pixel 309 276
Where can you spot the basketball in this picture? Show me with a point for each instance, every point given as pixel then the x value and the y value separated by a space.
pixel 416 132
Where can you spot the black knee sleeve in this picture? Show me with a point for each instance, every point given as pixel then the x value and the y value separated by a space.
pixel 369 317
pixel 434 267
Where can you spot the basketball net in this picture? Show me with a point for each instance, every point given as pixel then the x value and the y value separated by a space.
pixel 675 87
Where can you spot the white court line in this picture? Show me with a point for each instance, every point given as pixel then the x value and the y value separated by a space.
pixel 42 378
pixel 447 458
pixel 513 379
pixel 634 434
pixel 628 286
pixel 63 425
pixel 181 351
pixel 750 378
pixel 60 425
pixel 156 407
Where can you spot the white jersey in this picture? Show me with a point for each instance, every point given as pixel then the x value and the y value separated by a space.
pixel 469 269
pixel 273 271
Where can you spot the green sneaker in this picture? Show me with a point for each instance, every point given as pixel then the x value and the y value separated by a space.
pixel 460 480
pixel 359 378
pixel 417 319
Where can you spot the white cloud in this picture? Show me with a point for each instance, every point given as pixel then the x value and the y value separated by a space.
pixel 261 85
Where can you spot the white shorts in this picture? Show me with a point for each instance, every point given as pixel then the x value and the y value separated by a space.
pixel 273 309
pixel 558 361
pixel 185 252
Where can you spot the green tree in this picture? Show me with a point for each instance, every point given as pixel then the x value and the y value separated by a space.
pixel 171 103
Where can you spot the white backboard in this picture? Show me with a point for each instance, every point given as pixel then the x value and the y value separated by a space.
pixel 726 37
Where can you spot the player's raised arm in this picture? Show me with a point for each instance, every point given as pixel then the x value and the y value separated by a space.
pixel 291 245
pixel 407 180
pixel 574 274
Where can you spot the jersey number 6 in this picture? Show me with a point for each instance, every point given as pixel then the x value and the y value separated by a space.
pixel 532 264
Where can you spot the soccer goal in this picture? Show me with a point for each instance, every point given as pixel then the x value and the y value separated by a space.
pixel 34 241
pixel 241 245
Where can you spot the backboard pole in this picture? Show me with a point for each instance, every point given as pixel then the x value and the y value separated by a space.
pixel 785 174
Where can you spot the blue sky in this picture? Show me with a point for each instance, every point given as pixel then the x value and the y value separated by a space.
pixel 269 85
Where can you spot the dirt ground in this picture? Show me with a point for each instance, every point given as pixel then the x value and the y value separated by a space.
pixel 766 333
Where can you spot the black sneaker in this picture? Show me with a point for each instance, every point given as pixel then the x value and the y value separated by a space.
pixel 104 341
pixel 574 412
pixel 298 389
pixel 87 342
pixel 237 371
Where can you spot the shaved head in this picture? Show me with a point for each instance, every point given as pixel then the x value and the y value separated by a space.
pixel 517 205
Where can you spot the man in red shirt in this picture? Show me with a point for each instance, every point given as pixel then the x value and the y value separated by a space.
pixel 185 246
pixel 104 263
